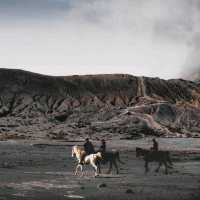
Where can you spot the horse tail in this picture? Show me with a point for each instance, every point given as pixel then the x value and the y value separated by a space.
pixel 118 157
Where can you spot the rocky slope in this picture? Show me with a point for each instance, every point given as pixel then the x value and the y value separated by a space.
pixel 118 105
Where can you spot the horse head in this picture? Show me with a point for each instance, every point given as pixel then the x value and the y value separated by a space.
pixel 99 155
pixel 74 151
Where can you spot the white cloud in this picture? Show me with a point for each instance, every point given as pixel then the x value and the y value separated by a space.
pixel 152 38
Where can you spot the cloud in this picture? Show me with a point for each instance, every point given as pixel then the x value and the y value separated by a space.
pixel 60 37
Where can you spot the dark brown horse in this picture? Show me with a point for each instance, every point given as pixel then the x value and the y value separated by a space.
pixel 162 157
pixel 111 157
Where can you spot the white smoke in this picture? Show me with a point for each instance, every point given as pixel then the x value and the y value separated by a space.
pixel 140 37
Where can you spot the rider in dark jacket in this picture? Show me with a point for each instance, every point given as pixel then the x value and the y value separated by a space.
pixel 103 146
pixel 102 149
pixel 88 147
pixel 155 145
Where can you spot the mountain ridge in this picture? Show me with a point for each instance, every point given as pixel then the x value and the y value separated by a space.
pixel 73 104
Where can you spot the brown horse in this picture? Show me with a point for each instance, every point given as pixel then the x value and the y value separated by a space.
pixel 111 157
pixel 162 157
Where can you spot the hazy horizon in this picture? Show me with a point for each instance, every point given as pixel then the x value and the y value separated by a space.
pixel 157 38
pixel 80 74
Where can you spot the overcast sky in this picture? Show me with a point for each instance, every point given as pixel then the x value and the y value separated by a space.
pixel 64 37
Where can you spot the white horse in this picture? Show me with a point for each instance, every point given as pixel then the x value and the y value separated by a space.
pixel 92 159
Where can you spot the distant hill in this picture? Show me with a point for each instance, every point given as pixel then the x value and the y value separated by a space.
pixel 107 105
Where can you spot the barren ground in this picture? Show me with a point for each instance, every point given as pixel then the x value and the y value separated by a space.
pixel 31 170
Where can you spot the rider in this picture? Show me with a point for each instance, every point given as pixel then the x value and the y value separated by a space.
pixel 155 145
pixel 88 148
pixel 102 149
pixel 103 146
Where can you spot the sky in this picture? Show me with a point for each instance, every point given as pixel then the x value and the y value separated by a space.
pixel 157 38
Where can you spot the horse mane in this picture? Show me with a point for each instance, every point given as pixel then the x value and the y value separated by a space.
pixel 77 147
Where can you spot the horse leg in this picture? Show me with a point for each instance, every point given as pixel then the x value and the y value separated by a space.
pixel 76 170
pixel 95 168
pixel 169 161
pixel 99 167
pixel 160 164
pixel 82 172
pixel 146 166
pixel 166 167
pixel 110 168
pixel 116 167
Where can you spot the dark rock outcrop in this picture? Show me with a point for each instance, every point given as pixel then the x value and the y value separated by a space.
pixel 117 105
